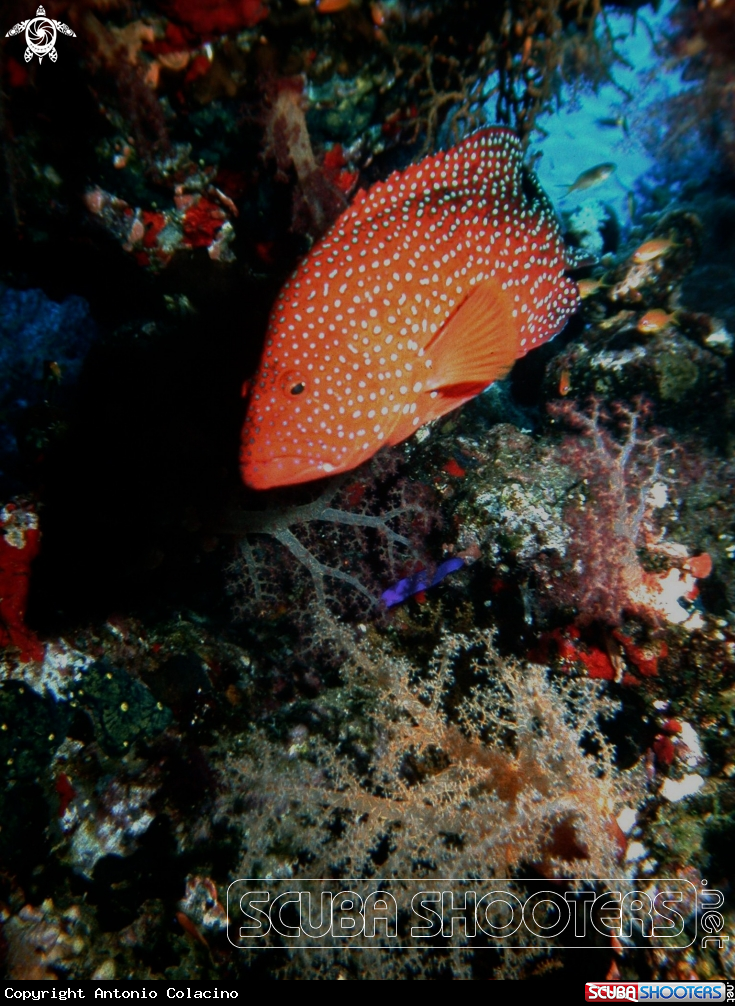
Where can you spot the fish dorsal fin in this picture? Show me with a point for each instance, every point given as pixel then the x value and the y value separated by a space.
pixel 478 344
pixel 490 161
pixel 488 164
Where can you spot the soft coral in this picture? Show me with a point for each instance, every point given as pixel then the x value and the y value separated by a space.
pixel 19 545
pixel 621 484
pixel 609 513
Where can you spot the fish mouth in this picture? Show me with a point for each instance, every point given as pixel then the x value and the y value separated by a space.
pixel 283 470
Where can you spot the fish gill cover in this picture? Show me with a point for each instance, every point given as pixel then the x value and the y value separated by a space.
pixel 497 641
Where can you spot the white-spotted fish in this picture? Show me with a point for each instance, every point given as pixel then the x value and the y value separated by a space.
pixel 424 292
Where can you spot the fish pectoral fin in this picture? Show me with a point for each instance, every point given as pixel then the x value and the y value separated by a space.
pixel 478 344
pixel 465 391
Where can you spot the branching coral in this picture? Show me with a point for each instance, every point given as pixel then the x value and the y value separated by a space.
pixel 611 512
pixel 525 50
pixel 472 766
pixel 356 534
pixel 622 482
pixel 114 70
pixel 19 545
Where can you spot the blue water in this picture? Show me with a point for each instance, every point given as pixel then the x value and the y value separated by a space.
pixel 573 140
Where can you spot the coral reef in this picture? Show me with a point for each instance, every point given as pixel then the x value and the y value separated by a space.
pixel 510 747
pixel 367 77
pixel 504 774
pixel 317 200
pixel 42 942
pixel 621 484
pixel 378 512
pixel 197 221
pixel 504 648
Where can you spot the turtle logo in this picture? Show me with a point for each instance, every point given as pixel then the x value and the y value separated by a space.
pixel 40 35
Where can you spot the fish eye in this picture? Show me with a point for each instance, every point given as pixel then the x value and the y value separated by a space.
pixel 292 382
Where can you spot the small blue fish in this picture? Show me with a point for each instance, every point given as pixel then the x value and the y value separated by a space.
pixel 422 580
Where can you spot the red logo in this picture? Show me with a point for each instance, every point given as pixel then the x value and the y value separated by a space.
pixel 605 991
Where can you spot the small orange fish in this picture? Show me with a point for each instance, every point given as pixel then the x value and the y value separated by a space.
pixel 424 292
pixel 526 50
pixel 654 320
pixel 54 371
pixel 377 14
pixel 588 287
pixel 593 176
pixel 565 384
pixel 651 250
pixel 190 928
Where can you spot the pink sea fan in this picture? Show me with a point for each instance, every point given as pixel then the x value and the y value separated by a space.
pixel 338 551
pixel 610 514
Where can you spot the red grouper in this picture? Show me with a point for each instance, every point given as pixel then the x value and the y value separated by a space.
pixel 425 291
